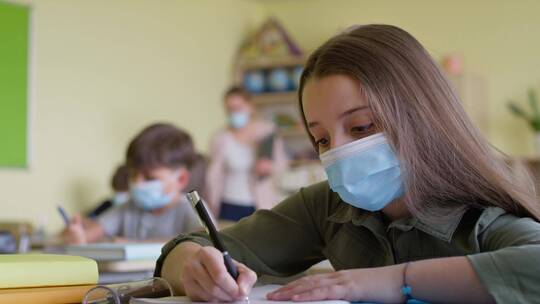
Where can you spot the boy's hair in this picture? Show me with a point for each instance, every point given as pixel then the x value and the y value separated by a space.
pixel 237 90
pixel 160 145
pixel 197 175
pixel 120 179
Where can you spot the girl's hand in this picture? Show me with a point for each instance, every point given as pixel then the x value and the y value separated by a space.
pixel 205 278
pixel 381 285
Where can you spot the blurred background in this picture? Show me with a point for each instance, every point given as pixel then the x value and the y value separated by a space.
pixel 91 74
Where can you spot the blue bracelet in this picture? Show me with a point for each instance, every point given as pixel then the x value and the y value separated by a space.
pixel 406 291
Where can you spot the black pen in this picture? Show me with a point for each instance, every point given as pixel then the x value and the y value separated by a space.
pixel 64 215
pixel 198 205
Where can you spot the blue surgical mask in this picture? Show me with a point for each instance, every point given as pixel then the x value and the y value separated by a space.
pixel 365 173
pixel 239 119
pixel 120 198
pixel 150 195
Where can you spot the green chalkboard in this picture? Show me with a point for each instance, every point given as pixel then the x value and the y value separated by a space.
pixel 13 85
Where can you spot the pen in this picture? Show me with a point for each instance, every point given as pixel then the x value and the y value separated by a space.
pixel 64 215
pixel 199 207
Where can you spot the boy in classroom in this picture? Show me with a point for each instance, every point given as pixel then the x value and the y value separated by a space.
pixel 159 159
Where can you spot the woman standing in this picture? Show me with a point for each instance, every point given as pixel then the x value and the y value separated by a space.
pixel 241 173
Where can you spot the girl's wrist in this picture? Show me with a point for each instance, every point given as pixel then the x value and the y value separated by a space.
pixel 389 288
pixel 402 278
pixel 405 287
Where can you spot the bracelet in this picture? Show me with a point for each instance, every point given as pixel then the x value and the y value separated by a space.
pixel 406 289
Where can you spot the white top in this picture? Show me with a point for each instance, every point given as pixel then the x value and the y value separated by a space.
pixel 239 159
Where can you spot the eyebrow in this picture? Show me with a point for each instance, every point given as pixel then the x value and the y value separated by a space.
pixel 346 113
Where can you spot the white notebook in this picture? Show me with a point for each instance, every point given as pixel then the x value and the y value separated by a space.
pixel 117 251
pixel 257 295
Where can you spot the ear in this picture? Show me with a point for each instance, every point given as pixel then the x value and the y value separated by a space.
pixel 183 179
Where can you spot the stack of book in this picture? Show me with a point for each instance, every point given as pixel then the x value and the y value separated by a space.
pixel 117 251
pixel 120 262
pixel 45 278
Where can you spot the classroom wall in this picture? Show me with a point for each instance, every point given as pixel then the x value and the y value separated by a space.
pixel 102 70
pixel 498 40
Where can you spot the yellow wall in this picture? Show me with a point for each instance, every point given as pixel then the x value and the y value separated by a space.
pixel 104 69
pixel 498 40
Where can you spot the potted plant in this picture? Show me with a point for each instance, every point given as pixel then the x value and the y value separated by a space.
pixel 532 118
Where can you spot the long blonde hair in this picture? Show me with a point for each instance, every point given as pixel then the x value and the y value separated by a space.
pixel 447 165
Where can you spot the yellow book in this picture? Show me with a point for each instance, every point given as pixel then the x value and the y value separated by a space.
pixel 45 295
pixel 36 270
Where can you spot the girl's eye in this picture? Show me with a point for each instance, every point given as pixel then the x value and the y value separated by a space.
pixel 321 142
pixel 362 129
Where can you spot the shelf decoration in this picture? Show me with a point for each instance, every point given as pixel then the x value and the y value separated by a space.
pixel 271 40
pixel 271 60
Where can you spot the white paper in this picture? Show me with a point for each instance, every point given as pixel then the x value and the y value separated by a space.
pixel 257 296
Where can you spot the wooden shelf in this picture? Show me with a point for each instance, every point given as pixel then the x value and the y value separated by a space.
pixel 303 162
pixel 270 62
pixel 274 98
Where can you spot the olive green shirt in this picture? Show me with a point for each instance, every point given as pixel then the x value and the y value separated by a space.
pixel 315 224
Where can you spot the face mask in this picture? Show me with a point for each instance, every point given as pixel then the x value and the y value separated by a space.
pixel 150 195
pixel 365 173
pixel 239 119
pixel 120 198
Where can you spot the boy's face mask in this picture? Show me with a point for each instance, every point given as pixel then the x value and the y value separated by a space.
pixel 365 173
pixel 151 195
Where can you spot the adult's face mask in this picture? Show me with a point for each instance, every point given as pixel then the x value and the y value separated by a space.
pixel 365 173
pixel 239 119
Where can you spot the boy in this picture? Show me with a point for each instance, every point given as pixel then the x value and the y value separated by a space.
pixel 158 161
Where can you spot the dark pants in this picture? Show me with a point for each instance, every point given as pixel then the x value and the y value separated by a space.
pixel 232 212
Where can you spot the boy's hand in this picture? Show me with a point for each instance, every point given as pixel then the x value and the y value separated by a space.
pixel 205 278
pixel 74 233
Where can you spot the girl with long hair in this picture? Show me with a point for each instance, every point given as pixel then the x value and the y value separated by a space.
pixel 417 203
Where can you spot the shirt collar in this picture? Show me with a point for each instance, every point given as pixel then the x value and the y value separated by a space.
pixel 373 221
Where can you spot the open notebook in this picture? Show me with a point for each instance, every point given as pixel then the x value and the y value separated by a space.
pixel 257 295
